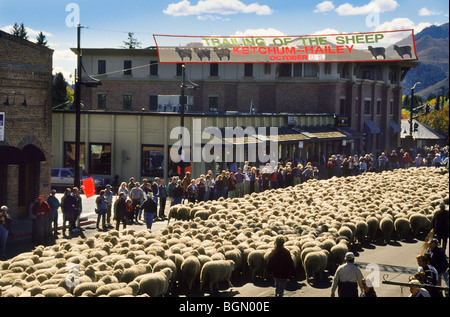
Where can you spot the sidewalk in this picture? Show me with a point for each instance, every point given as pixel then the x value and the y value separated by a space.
pixel 19 240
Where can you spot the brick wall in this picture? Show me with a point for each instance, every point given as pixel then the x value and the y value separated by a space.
pixel 26 73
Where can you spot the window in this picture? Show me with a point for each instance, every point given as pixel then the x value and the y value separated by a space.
pixel 378 106
pixel 310 70
pixel 101 66
pixel 69 155
pixel 285 70
pixel 345 72
pixel 248 70
pixel 152 160
pixel 101 101
pixel 127 102
pixel 213 103
pixel 214 69
pixel 154 68
pixel 153 103
pixel 55 172
pixel 298 70
pixel 127 67
pixel 367 105
pixel 100 158
pixel 66 173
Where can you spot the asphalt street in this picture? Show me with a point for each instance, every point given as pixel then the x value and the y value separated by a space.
pixel 395 261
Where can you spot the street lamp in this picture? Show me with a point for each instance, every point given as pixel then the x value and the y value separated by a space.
pixel 412 110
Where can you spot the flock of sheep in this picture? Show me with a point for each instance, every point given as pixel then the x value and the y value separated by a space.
pixel 216 241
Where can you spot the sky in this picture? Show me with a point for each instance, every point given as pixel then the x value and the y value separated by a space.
pixel 106 23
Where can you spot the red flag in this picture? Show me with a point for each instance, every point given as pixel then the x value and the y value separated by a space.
pixel 88 187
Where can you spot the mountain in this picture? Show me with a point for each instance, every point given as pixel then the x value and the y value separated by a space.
pixel 432 47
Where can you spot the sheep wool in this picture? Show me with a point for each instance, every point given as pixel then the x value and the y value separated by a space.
pixel 214 272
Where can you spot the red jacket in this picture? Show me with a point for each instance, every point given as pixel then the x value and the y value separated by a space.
pixel 41 209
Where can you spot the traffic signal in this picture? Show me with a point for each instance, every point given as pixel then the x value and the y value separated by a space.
pixel 416 127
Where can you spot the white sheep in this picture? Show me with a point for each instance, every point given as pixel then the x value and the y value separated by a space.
pixel 387 227
pixel 361 231
pixel 214 272
pixel 315 263
pixel 419 223
pixel 257 263
pixel 402 227
pixel 155 284
pixel 131 289
pixel 190 271
pixel 337 255
pixel 373 225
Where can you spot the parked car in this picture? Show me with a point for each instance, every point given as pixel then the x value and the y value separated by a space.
pixel 64 177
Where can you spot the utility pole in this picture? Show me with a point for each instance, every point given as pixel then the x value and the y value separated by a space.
pixel 77 102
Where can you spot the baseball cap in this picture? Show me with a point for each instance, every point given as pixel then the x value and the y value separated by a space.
pixel 349 256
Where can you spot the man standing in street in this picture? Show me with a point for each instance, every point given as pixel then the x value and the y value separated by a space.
pixel 41 210
pixel 347 278
pixel 120 211
pixel 162 199
pixel 137 195
pixel 54 204
pixel 109 197
pixel 78 208
pixel 68 206
pixel 239 183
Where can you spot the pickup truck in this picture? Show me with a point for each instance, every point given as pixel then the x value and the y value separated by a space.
pixel 64 177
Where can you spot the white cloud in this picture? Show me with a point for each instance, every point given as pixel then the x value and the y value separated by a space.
pixel 425 12
pixel 209 7
pixel 32 33
pixel 402 24
pixel 325 6
pixel 260 32
pixel 327 31
pixel 65 55
pixel 372 6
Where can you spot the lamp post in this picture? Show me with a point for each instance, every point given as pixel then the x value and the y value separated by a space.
pixel 411 111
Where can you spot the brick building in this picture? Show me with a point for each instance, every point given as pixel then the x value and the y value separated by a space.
pixel 367 93
pixel 125 126
pixel 26 113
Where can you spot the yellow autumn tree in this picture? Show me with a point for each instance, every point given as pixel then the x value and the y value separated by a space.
pixel 437 119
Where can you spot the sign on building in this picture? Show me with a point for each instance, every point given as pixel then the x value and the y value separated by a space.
pixel 349 47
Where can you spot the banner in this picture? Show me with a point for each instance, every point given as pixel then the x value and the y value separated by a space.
pixel 350 47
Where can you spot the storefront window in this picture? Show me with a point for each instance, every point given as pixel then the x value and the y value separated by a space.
pixel 69 155
pixel 100 159
pixel 152 161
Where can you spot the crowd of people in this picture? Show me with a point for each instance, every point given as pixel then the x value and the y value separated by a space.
pixel 238 181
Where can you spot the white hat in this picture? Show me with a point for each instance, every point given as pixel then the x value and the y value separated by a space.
pixel 369 283
pixel 4 207
pixel 349 256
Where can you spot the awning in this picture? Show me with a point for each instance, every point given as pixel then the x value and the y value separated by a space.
pixel 396 128
pixel 371 126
